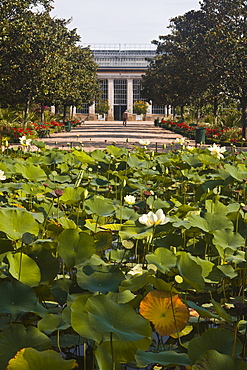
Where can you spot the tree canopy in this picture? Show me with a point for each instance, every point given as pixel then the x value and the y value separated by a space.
pixel 203 59
pixel 40 59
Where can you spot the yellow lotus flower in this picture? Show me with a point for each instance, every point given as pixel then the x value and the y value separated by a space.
pixel 167 312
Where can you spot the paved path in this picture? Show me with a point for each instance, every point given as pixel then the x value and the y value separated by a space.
pixel 99 134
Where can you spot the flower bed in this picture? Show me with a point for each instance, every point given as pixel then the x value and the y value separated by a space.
pixel 12 133
pixel 223 136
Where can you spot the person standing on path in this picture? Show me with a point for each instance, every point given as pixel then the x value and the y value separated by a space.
pixel 125 117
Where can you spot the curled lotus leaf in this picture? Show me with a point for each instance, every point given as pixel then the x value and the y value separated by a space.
pixel 30 358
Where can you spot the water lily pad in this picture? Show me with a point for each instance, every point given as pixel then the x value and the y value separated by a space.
pixel 31 172
pixel 52 322
pixel 30 358
pixel 72 195
pixel 168 358
pixel 101 279
pixel 134 283
pixel 16 222
pixel 17 337
pixel 109 317
pixel 163 259
pixel 219 339
pixel 24 269
pixel 103 240
pixel 17 298
pixel 75 247
pixel 228 239
pixel 47 264
pixel 190 271
pixel 83 157
pixel 80 322
pixel 123 351
pixel 99 206
pixel 60 290
pixel 213 360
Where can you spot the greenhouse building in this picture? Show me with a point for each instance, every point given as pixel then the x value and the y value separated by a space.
pixel 120 69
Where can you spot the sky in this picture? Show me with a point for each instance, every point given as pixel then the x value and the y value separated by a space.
pixel 121 22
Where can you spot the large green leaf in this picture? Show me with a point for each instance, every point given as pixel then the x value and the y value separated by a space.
pixel 83 157
pixel 190 271
pixel 80 322
pixel 109 317
pixel 203 312
pixel 217 221
pixel 75 247
pixel 134 283
pixel 17 298
pixel 47 264
pixel 52 322
pixel 124 351
pixel 103 240
pixel 220 340
pixel 30 359
pixel 15 223
pixel 72 195
pixel 221 311
pixel 100 206
pixel 163 259
pixel 228 239
pixel 17 337
pixel 198 221
pixel 235 172
pixel 101 279
pixel 168 359
pixel 131 230
pixel 24 269
pixel 213 360
pixel 31 172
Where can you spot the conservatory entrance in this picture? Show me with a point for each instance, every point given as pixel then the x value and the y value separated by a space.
pixel 118 112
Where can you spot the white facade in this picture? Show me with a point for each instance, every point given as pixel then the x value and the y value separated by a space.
pixel 120 70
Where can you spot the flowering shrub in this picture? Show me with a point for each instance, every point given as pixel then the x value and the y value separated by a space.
pixel 140 107
pixel 34 130
pixel 215 133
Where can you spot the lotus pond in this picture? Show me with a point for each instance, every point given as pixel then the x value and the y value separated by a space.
pixel 123 259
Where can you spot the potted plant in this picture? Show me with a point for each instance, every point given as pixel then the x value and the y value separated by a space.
pixel 140 108
pixel 102 107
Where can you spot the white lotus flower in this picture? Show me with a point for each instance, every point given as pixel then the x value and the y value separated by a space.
pixel 190 148
pixel 24 141
pixel 137 269
pixel 144 142
pixel 152 219
pixel 130 199
pixel 180 140
pixel 217 151
pixel 2 176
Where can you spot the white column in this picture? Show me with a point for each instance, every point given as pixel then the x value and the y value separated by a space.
pixel 111 98
pixel 130 95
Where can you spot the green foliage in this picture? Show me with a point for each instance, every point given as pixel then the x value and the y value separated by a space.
pixel 102 107
pixel 42 51
pixel 75 261
pixel 140 107
pixel 200 63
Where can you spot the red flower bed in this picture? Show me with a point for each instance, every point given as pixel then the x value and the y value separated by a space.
pixel 226 134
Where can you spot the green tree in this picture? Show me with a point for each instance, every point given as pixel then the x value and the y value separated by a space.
pixel 41 62
pixel 228 39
